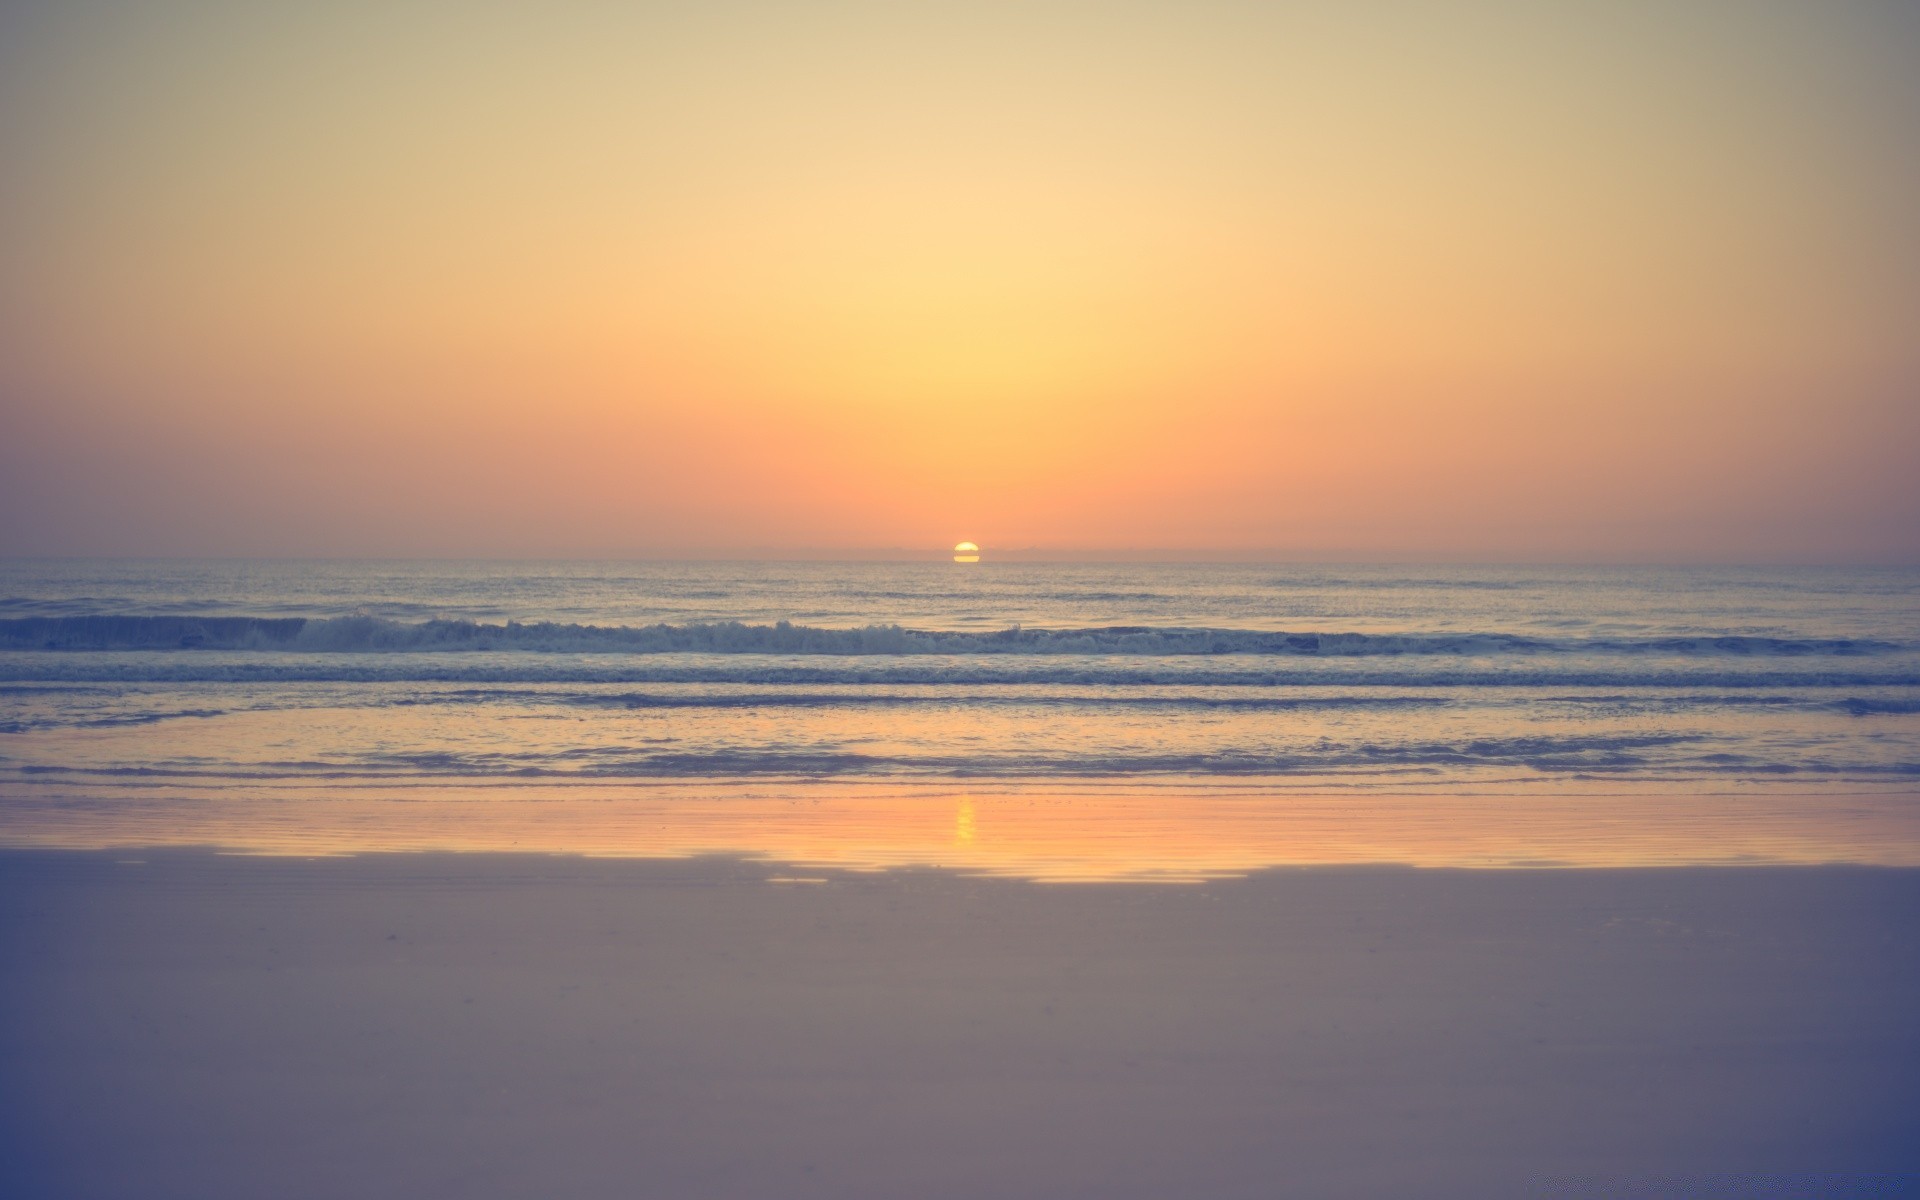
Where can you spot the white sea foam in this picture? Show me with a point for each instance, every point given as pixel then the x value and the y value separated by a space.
pixel 365 634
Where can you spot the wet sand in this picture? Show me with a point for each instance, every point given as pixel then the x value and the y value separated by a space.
pixel 517 1025
pixel 1052 831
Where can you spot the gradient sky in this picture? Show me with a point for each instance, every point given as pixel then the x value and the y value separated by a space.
pixel 1498 281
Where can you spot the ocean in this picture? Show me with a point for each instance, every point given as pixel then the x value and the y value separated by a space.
pixel 132 686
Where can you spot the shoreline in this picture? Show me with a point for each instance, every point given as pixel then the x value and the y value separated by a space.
pixel 1046 830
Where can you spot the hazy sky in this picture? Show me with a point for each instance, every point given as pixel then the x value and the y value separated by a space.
pixel 1497 281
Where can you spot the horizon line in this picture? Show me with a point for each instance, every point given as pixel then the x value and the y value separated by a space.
pixel 1031 555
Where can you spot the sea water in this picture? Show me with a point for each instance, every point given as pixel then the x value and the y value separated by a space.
pixel 1378 676
pixel 201 679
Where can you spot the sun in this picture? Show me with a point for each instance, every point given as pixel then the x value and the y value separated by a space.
pixel 966 552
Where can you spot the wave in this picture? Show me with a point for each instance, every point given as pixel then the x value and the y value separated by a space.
pixel 368 634
pixel 217 667
pixel 1403 583
pixel 1871 706
pixel 867 699
pixel 112 721
pixel 1676 756
pixel 739 698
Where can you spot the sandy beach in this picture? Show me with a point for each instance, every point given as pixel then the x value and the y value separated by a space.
pixel 179 1023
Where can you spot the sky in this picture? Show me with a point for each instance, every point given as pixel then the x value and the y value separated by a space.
pixel 1587 282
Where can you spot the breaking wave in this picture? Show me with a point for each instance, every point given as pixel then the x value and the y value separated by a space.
pixel 794 671
pixel 367 634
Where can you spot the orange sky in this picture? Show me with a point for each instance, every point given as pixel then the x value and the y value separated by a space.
pixel 1485 282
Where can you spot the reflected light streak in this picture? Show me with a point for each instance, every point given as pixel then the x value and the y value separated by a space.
pixel 1043 833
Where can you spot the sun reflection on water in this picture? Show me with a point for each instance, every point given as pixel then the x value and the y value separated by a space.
pixel 1090 833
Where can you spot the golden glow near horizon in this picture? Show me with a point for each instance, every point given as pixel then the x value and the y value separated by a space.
pixel 1478 280
pixel 966 552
